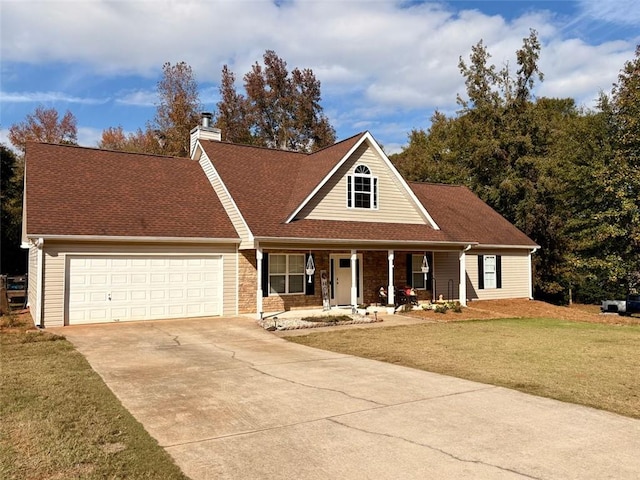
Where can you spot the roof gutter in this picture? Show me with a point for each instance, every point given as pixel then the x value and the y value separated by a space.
pixel 116 238
pixel 510 247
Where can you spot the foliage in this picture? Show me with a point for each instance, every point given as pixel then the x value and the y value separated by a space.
pixel 566 177
pixel 280 110
pixel 176 114
pixel 44 125
pixel 179 108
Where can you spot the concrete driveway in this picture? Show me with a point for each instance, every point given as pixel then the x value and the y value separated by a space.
pixel 229 400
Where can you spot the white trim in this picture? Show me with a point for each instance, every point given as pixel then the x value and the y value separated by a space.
pixel 366 136
pixel 462 286
pixel 226 192
pixel 391 289
pixel 480 246
pixel 39 282
pixel 115 238
pixel 259 292
pixel 354 276
pixel 406 243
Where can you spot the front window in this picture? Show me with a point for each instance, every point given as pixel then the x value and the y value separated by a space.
pixel 490 271
pixel 286 273
pixel 362 189
pixel 417 275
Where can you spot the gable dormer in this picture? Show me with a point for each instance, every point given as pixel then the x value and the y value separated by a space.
pixel 365 188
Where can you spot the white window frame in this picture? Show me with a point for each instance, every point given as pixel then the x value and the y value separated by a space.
pixel 490 282
pixel 351 188
pixel 287 274
pixel 418 271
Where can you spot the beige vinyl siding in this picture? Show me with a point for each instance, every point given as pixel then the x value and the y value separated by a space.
pixel 56 273
pixel 515 275
pixel 225 199
pixel 394 204
pixel 446 267
pixel 32 279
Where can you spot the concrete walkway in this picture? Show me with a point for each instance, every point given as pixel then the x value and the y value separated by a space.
pixel 229 400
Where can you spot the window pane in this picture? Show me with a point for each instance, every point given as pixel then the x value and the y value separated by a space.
pixel 296 263
pixel 416 263
pixel 418 280
pixel 363 200
pixel 363 184
pixel 296 283
pixel 277 283
pixel 277 263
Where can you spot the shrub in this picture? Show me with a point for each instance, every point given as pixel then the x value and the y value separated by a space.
pixel 441 308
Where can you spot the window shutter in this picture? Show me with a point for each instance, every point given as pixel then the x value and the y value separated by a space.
pixel 375 192
pixel 349 177
pixel 265 274
pixel 498 271
pixel 309 288
pixel 409 270
pixel 481 272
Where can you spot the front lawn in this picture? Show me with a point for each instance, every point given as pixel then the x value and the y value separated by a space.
pixel 587 363
pixel 59 419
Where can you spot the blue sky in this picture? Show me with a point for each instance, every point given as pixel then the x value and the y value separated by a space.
pixel 385 66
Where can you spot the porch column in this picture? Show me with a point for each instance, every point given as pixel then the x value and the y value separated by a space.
pixel 354 286
pixel 259 282
pixel 462 287
pixel 391 290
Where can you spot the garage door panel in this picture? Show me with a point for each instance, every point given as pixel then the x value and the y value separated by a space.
pixel 104 289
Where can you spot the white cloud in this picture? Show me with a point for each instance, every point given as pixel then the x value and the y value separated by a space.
pixel 139 98
pixel 623 12
pixel 89 137
pixel 374 58
pixel 47 97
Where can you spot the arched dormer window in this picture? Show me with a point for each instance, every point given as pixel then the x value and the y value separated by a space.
pixel 362 188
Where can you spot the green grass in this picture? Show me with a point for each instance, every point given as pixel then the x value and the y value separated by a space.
pixel 60 421
pixel 591 364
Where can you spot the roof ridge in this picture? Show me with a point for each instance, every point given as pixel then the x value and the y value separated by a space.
pixel 338 143
pixel 107 150
pixel 260 147
pixel 438 184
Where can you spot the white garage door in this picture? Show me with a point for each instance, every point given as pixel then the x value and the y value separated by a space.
pixel 110 289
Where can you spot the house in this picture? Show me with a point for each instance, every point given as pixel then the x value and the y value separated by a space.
pixel 237 229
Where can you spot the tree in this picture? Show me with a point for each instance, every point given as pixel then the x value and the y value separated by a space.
pixel 233 118
pixel 280 110
pixel 147 141
pixel 13 259
pixel 44 125
pixel 178 111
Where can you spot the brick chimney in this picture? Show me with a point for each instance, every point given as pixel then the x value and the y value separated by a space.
pixel 204 132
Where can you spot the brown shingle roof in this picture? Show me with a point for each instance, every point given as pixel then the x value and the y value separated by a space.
pixel 268 185
pixel 84 191
pixel 464 217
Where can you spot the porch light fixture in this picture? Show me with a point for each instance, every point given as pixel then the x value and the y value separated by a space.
pixel 311 267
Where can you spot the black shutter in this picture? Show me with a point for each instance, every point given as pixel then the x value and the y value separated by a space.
pixel 309 287
pixel 409 270
pixel 265 274
pixel 498 271
pixel 481 272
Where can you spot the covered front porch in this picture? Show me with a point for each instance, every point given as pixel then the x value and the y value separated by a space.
pixel 334 277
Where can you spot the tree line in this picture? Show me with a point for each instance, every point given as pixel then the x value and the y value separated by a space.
pixel 567 176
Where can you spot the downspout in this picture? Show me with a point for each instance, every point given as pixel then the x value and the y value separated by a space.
pixel 39 320
pixel 462 286
pixel 534 250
